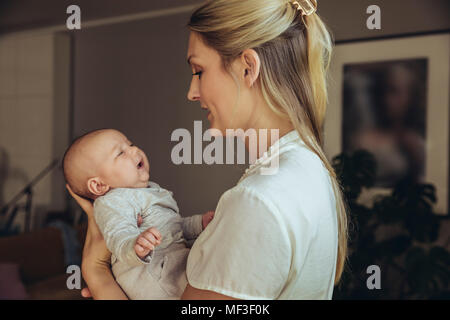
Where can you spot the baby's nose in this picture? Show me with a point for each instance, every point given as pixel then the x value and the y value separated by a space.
pixel 134 150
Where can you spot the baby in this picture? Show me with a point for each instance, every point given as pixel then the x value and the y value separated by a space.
pixel 148 261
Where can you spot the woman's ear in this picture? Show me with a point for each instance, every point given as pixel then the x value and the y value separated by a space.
pixel 97 187
pixel 252 64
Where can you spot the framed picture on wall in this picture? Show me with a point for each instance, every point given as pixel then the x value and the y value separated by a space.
pixel 391 98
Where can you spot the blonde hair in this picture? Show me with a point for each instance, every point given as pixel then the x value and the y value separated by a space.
pixel 295 53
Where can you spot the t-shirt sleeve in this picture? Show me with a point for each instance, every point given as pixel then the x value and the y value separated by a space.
pixel 245 252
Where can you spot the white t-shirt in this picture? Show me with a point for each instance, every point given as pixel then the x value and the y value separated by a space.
pixel 273 236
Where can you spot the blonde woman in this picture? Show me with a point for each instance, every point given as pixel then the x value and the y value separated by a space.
pixel 259 64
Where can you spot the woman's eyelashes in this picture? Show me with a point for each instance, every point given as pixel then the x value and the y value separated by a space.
pixel 199 74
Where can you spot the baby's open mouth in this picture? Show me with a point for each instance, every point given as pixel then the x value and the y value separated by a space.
pixel 140 164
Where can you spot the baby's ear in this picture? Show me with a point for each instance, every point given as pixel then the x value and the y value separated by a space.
pixel 97 187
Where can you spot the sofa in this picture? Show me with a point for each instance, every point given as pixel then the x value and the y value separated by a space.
pixel 32 265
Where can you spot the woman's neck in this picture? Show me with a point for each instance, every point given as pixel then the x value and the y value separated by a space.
pixel 269 126
pixel 266 136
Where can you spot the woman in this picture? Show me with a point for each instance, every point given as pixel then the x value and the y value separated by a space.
pixel 259 64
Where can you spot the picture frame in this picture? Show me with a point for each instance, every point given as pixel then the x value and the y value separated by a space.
pixel 436 50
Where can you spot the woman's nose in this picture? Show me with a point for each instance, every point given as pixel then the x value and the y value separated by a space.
pixel 193 93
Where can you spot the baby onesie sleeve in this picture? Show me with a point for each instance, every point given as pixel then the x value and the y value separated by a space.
pixel 192 226
pixel 116 218
pixel 245 252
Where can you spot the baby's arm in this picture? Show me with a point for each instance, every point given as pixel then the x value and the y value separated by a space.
pixel 194 225
pixel 116 218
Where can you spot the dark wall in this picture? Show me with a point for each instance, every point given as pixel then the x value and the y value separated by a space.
pixel 133 76
pixel 347 18
pixel 29 14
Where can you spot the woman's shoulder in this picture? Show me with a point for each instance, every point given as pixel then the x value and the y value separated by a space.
pixel 254 237
pixel 296 168
pixel 299 189
pixel 243 198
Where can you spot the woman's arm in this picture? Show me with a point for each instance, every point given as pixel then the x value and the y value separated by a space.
pixel 243 253
pixel 95 265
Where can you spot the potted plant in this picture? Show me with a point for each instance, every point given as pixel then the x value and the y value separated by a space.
pixel 397 233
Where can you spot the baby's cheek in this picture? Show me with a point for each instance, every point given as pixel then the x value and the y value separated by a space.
pixel 122 177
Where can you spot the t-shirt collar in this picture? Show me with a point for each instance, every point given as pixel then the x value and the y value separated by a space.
pixel 274 150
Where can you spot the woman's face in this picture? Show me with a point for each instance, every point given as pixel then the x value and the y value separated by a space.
pixel 215 88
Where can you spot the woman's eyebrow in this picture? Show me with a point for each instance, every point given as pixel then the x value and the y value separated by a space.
pixel 189 59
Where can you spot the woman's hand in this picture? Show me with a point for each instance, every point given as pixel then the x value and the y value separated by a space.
pixel 94 251
pixel 95 264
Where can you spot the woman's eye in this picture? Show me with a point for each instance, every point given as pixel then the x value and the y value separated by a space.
pixel 121 152
pixel 199 74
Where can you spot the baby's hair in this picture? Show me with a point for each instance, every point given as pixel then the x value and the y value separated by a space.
pixel 78 187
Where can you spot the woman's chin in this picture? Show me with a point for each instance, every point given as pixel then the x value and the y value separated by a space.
pixel 216 132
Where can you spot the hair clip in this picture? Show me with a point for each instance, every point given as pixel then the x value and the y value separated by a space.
pixel 307 7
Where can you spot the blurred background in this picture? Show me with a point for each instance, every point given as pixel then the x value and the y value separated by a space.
pixel 126 69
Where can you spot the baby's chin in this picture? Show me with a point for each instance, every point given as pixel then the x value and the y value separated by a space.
pixel 142 184
pixel 133 186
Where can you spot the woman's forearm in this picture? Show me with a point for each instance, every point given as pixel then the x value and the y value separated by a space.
pixel 96 258
pixel 102 284
pixel 96 268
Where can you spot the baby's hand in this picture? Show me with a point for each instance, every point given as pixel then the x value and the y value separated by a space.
pixel 207 217
pixel 147 241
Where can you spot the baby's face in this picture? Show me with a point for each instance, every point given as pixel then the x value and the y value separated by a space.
pixel 119 162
